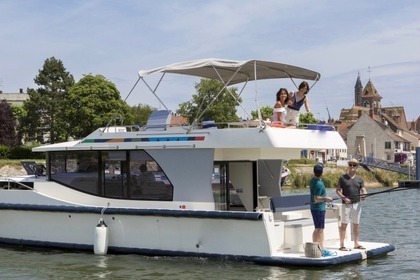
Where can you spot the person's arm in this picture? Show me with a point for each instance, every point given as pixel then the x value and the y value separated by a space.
pixel 341 195
pixel 318 198
pixel 363 190
pixel 308 110
pixel 277 113
pixel 291 100
pixel 318 194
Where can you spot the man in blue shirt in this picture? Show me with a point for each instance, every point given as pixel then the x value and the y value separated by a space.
pixel 318 202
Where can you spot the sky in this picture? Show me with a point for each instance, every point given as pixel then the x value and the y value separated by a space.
pixel 380 40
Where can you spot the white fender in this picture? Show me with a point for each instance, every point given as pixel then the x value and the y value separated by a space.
pixel 100 243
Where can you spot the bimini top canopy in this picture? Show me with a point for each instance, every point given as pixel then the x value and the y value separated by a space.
pixel 233 72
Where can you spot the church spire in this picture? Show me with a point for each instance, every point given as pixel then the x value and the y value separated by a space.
pixel 358 90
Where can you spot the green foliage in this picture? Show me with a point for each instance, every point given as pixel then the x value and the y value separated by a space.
pixel 20 152
pixel 307 118
pixel 18 112
pixel 92 103
pixel 222 109
pixel 301 180
pixel 141 113
pixel 45 105
pixel 266 113
pixel 300 172
pixel 25 152
pixel 331 179
pixel 302 161
pixel 8 134
pixel 4 151
pixel 387 178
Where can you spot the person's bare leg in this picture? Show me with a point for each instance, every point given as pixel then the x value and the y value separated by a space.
pixel 318 236
pixel 356 235
pixel 321 238
pixel 343 229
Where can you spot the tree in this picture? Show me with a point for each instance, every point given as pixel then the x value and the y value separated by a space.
pixel 8 135
pixel 307 118
pixel 18 114
pixel 223 109
pixel 92 103
pixel 141 113
pixel 266 113
pixel 44 121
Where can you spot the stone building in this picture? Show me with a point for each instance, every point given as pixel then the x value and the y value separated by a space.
pixel 14 98
pixel 375 131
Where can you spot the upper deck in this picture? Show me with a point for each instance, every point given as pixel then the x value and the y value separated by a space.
pixel 245 140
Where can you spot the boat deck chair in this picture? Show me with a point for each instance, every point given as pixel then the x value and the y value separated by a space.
pixel 32 168
pixel 28 166
pixel 159 120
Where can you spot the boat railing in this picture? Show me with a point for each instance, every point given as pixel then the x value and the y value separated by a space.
pixel 256 123
pixel 125 128
pixel 11 181
pixel 217 125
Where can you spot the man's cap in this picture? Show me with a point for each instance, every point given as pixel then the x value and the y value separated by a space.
pixel 319 168
pixel 354 161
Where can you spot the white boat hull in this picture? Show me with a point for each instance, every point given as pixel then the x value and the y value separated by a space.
pixel 254 236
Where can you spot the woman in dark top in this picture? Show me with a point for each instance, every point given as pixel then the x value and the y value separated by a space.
pixel 297 99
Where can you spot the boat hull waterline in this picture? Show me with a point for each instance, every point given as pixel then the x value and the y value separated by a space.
pixel 162 232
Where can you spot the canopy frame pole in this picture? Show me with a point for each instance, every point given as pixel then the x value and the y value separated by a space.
pixel 217 95
pixel 260 122
pixel 153 91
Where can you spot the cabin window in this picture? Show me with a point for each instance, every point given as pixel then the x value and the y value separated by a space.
pixel 116 174
pixel 78 170
pixel 149 182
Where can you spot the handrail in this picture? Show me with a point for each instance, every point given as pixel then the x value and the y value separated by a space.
pixel 223 125
pixel 386 165
pixel 9 180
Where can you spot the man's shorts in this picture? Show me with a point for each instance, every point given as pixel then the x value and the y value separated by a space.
pixel 351 212
pixel 319 218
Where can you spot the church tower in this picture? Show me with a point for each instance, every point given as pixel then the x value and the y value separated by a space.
pixel 358 91
pixel 371 98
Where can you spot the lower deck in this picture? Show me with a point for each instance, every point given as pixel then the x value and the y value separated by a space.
pixel 338 257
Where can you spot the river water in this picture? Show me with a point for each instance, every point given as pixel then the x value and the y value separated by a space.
pixel 388 217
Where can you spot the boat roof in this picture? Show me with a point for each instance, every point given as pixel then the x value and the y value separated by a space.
pixel 234 72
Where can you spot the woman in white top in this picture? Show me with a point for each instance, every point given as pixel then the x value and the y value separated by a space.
pixel 282 98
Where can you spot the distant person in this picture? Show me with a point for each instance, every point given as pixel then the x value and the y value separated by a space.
pixel 282 99
pixel 297 99
pixel 351 189
pixel 318 203
pixel 145 176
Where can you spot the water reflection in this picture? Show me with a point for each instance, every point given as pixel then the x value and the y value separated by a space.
pixel 102 261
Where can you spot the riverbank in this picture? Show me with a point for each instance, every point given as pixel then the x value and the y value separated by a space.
pixel 302 173
pixel 7 170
